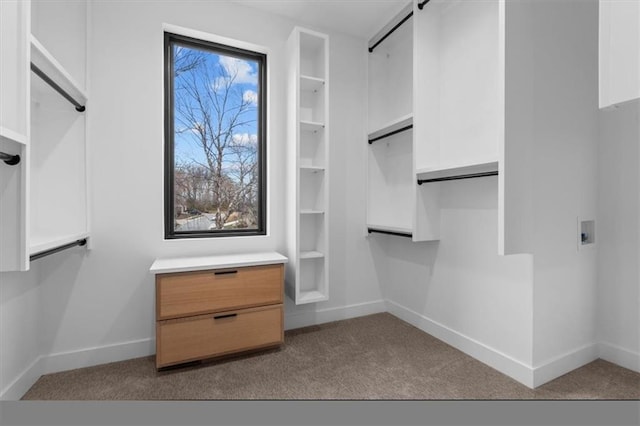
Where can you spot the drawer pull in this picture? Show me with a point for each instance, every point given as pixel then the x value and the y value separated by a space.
pixel 225 272
pixel 225 316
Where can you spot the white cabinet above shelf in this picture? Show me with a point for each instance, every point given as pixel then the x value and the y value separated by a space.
pixel 457 171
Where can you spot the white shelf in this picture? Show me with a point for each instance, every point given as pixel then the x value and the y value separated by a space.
pixel 311 255
pixel 452 170
pixel 311 84
pixel 311 126
pixel 184 264
pixel 7 135
pixel 396 229
pixel 41 58
pixel 311 297
pixel 313 169
pixel 38 245
pixel 392 126
pixel 309 211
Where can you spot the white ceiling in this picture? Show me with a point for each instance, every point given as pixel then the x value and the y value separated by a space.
pixel 360 18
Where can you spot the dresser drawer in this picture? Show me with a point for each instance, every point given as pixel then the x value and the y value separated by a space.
pixel 193 293
pixel 204 336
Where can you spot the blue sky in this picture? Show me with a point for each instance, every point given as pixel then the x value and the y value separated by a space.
pixel 213 73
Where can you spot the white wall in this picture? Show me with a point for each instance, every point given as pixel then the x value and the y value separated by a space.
pixel 98 306
pixel 565 132
pixel 459 289
pixel 19 331
pixel 618 235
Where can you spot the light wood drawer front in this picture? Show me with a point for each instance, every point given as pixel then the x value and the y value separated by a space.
pixel 204 336
pixel 193 293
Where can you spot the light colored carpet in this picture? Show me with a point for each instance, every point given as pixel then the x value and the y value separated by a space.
pixel 372 357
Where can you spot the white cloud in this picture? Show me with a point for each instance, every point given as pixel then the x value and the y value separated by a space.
pixel 240 70
pixel 250 96
pixel 245 138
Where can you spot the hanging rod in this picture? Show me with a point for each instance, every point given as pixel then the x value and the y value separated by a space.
pixel 37 71
pixel 386 135
pixel 469 176
pixel 380 231
pixel 80 242
pixel 391 31
pixel 422 3
pixel 9 159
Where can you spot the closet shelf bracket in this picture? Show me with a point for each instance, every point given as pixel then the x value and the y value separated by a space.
pixel 37 71
pixel 9 159
pixel 468 176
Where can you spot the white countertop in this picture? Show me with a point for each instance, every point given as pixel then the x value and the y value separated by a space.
pixel 185 264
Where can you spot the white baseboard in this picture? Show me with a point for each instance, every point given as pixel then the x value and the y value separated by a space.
pixel 26 379
pixel 63 361
pixel 619 355
pixel 531 377
pixel 505 364
pixel 563 364
pixel 306 318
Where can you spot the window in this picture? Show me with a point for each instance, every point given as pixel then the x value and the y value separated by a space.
pixel 215 127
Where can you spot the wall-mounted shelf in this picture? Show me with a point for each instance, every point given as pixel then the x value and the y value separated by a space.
pixel 312 169
pixel 48 68
pixel 305 211
pixel 311 126
pixel 311 255
pixel 460 171
pixel 394 127
pixel 311 296
pixel 311 84
pixel 8 135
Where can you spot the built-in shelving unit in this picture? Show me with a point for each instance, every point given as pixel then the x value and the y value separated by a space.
pixel 15 27
pixel 459 76
pixel 391 183
pixel 308 154
pixel 43 206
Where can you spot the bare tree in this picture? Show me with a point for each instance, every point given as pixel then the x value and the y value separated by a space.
pixel 212 110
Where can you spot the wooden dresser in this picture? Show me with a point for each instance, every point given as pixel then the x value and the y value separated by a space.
pixel 217 305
